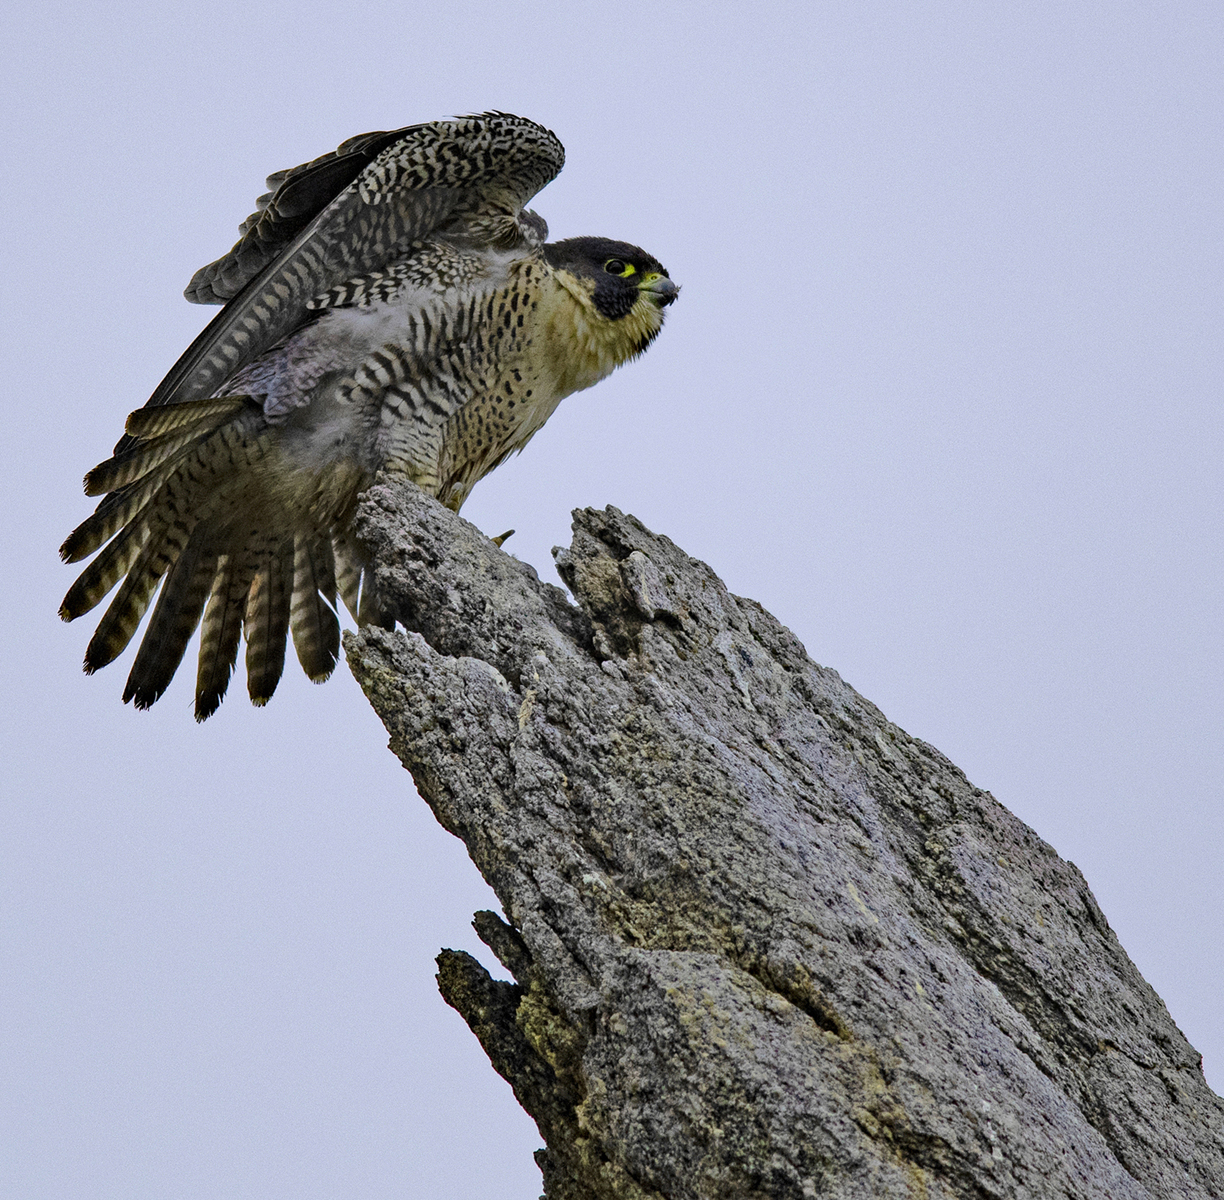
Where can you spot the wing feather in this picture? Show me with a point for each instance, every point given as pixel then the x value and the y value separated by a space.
pixel 295 197
pixel 450 173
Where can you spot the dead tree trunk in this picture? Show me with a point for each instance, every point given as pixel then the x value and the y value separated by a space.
pixel 766 944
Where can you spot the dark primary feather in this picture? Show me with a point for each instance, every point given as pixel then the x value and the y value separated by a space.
pixel 295 197
pixel 346 237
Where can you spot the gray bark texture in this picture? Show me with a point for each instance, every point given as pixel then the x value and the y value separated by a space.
pixel 765 943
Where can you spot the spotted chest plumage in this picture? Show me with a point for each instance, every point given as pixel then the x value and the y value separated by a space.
pixel 499 358
pixel 461 386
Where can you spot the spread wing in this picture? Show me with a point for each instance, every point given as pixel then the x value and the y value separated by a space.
pixel 294 198
pixel 352 212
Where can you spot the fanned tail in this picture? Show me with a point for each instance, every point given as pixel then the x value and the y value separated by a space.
pixel 201 503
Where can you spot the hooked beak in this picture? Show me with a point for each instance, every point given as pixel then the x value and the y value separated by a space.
pixel 660 289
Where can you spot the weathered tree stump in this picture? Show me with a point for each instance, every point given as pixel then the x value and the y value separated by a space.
pixel 766 944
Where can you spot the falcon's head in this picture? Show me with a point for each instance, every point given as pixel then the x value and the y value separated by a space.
pixel 619 282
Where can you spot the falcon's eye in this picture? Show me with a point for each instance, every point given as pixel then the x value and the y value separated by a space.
pixel 614 266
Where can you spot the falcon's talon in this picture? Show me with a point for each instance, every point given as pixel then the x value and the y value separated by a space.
pixel 390 306
pixel 501 537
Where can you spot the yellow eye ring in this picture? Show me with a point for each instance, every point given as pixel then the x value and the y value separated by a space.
pixel 617 266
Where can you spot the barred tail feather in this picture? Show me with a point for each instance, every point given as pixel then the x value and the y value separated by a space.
pixel 157 420
pixel 316 630
pixel 348 571
pixel 221 634
pixel 104 572
pixel 372 610
pixel 122 618
pixel 357 587
pixel 117 510
pixel 266 622
pixel 138 461
pixel 174 620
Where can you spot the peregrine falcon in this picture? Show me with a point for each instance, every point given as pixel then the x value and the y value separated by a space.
pixel 389 306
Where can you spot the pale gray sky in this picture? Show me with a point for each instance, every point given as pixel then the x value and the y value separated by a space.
pixel 943 391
